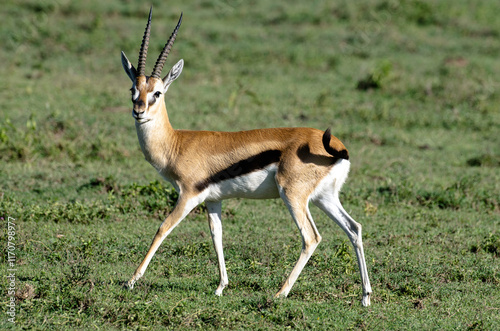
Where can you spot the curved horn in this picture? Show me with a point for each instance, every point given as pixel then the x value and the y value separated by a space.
pixel 164 53
pixel 141 66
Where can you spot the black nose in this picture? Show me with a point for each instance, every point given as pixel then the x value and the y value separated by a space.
pixel 139 104
pixel 135 114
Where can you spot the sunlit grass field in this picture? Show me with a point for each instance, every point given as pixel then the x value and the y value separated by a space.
pixel 410 87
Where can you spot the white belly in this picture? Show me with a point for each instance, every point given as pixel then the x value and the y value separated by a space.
pixel 260 184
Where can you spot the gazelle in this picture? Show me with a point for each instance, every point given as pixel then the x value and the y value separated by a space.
pixel 298 165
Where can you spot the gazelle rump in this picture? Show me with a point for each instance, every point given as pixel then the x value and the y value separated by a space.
pixel 298 165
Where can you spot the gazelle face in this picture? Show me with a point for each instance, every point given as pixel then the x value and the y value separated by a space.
pixel 147 90
pixel 146 94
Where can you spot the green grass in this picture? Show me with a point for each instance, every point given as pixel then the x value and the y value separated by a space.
pixel 410 87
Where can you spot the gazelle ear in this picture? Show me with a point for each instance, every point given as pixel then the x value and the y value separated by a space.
pixel 172 75
pixel 129 68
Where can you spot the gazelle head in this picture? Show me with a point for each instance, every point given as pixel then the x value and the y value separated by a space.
pixel 148 90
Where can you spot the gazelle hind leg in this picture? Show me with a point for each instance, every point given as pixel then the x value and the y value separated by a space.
pixel 331 205
pixel 214 221
pixel 310 238
pixel 181 210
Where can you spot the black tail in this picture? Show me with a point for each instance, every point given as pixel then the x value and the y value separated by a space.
pixel 343 154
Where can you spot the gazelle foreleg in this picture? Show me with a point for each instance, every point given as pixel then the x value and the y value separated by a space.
pixel 182 208
pixel 214 221
pixel 331 205
pixel 310 238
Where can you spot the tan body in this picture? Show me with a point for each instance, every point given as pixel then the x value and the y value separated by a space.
pixel 299 165
pixel 186 158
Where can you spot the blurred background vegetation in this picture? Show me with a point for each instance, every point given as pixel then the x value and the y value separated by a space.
pixel 410 87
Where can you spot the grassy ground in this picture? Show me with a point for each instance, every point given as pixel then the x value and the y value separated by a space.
pixel 411 88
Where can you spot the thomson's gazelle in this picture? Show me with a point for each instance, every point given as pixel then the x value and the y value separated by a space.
pixel 298 165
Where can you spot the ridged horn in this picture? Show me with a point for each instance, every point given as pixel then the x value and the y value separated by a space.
pixel 141 66
pixel 164 53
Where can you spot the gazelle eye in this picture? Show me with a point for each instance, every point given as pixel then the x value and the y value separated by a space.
pixel 157 94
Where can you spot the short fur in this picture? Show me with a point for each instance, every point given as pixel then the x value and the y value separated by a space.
pixel 297 164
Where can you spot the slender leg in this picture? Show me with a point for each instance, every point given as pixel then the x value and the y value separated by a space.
pixel 181 210
pixel 310 239
pixel 331 205
pixel 214 211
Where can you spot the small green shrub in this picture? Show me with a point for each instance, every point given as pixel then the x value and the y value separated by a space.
pixel 376 78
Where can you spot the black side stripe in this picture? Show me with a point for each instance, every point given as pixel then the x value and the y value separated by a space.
pixel 305 155
pixel 241 168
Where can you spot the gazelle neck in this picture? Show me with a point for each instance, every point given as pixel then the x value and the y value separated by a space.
pixel 156 137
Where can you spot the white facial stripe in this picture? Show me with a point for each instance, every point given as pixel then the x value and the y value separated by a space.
pixel 135 93
pixel 152 98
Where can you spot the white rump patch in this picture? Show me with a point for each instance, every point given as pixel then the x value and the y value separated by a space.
pixel 333 181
